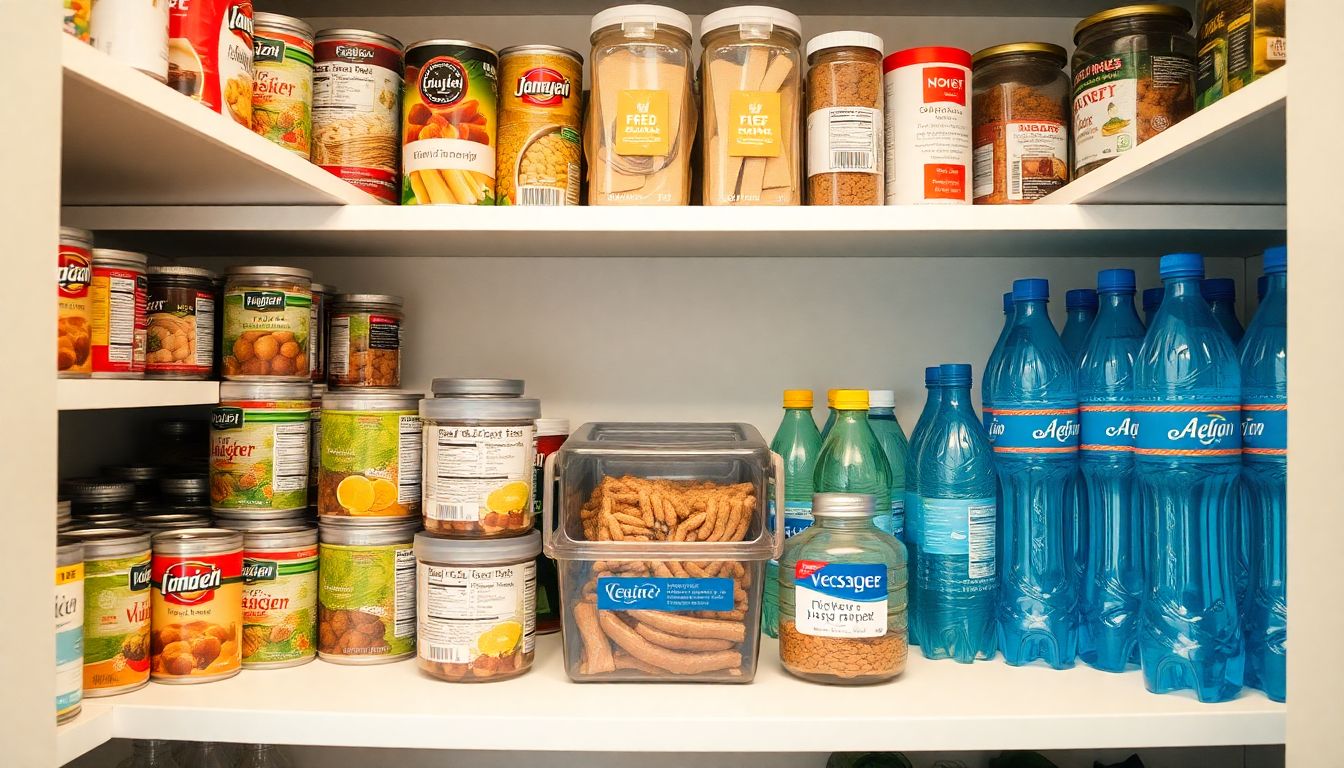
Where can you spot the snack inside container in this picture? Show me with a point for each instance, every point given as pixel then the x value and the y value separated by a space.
pixel 660 536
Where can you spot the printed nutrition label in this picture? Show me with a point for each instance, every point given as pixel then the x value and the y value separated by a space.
pixel 409 440
pixel 467 612
pixel 844 140
pixel 291 456
pixel 469 463
pixel 404 602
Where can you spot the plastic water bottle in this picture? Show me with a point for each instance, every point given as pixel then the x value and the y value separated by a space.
pixel 890 435
pixel 1081 305
pixel 1112 585
pixel 1221 294
pixel 958 559
pixel 1264 472
pixel 798 442
pixel 986 407
pixel 851 458
pixel 1152 301
pixel 1261 285
pixel 912 500
pixel 830 413
pixel 1035 439
pixel 1187 400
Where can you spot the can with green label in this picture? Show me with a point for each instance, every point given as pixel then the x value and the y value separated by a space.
pixel 259 447
pixel 116 609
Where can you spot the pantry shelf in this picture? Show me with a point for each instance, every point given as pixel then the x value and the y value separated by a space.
pixel 99 394
pixel 128 139
pixel 85 733
pixel 1019 8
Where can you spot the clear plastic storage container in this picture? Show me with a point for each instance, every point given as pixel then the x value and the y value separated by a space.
pixel 661 539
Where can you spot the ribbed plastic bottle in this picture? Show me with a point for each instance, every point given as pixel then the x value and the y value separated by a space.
pixel 1187 401
pixel 958 558
pixel 1035 439
pixel 1264 472
pixel 1152 301
pixel 798 442
pixel 851 459
pixel 1112 584
pixel 912 500
pixel 1221 294
pixel 1081 307
pixel 830 413
pixel 890 435
pixel 986 406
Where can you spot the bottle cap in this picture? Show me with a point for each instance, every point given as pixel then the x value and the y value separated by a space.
pixel 1008 302
pixel 1152 298
pixel 1178 265
pixel 1080 298
pixel 750 14
pixel 1276 260
pixel 843 505
pixel 1218 288
pixel 1261 285
pixel 640 14
pixel 881 398
pixel 851 399
pixel 844 40
pixel 1116 280
pixel 830 397
pixel 956 374
pixel 1031 289
pixel 797 398
pixel 933 375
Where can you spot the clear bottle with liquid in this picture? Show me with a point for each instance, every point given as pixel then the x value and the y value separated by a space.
pixel 912 500
pixel 798 442
pixel 891 436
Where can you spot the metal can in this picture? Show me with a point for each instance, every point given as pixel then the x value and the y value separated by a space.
pixel 259 448
pixel 448 123
pixel 116 609
pixel 357 109
pixel 318 320
pixel 315 442
pixel 134 32
pixel 181 316
pixel 187 490
pixel 366 591
pixel 98 495
pixel 551 434
pixel 118 291
pixel 369 467
pixel 168 521
pixel 266 323
pixel 365 340
pixel 69 612
pixel 210 54
pixel 928 126
pixel 145 478
pixel 244 523
pixel 74 270
pixel 279 596
pixel 540 128
pixel 62 513
pixel 282 81
pixel 196 599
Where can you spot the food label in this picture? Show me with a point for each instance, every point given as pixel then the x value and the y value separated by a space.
pixel 546 445
pixel 116 623
pixel 840 599
pixel 117 300
pixel 467 613
pixel 210 54
pixel 314 446
pixel 449 125
pixel 266 331
pixel 279 605
pixel 366 600
pixel 69 614
pixel 894 523
pixel 928 134
pixel 1192 431
pixel 1035 158
pixel 621 593
pixel 479 474
pixel 1034 430
pixel 642 127
pixel 365 350
pixel 960 528
pixel 75 18
pixel 317 338
pixel 370 463
pixel 844 140
pixel 1264 429
pixel 196 603
pixel 1106 428
pixel 797 517
pixel 356 93
pixel 181 338
pixel 74 271
pixel 282 89
pixel 1105 108
pixel 754 127
pixel 259 455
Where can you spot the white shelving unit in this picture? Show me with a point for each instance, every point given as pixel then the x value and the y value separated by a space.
pixel 101 394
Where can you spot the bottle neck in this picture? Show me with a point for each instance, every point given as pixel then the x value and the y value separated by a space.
pixel 845 523
pixel 1030 312
pixel 1276 281
pixel 881 411
pixel 1182 287
pixel 956 397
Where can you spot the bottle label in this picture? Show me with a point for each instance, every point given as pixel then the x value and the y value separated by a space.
pixel 1107 428
pixel 1264 429
pixel 623 593
pixel 960 527
pixel 840 599
pixel 1034 430
pixel 797 518
pixel 1188 430
pixel 895 522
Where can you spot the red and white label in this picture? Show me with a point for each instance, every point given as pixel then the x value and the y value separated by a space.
pixel 194 581
pixel 210 54
pixel 928 127
pixel 542 87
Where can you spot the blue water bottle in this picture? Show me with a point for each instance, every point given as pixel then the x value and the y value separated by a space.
pixel 1264 472
pixel 1152 301
pixel 1035 439
pixel 1080 305
pixel 957 553
pixel 1112 585
pixel 1261 285
pixel 912 524
pixel 891 436
pixel 1221 294
pixel 1187 400
pixel 986 405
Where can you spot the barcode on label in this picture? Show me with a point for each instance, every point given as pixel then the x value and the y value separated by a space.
pixel 848 161
pixel 1015 180
pixel 980 531
pixel 449 511
pixel 446 653
pixel 540 196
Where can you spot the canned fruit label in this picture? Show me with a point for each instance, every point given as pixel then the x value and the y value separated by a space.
pixel 365 350
pixel 259 455
pixel 117 300
pixel 482 621
pixel 282 89
pixel 356 125
pixel 370 463
pixel 279 605
pixel 479 478
pixel 74 271
pixel 448 126
pixel 181 337
pixel 210 54
pixel 366 600
pixel 196 603
pixel 116 622
pixel 539 129
pixel 69 637
pixel 266 332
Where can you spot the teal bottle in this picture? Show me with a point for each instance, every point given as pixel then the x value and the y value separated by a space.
pixel 830 414
pixel 798 443
pixel 851 459
pixel 912 500
pixel 891 436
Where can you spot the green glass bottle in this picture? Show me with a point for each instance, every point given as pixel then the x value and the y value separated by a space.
pixel 797 442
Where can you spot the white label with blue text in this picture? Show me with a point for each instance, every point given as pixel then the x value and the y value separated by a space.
pixel 840 599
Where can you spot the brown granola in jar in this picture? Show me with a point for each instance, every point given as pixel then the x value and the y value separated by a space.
pixel 1019 113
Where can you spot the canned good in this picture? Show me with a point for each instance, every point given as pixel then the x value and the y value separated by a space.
pixel 448 123
pixel 105 521
pixel 74 270
pixel 259 447
pixel 266 319
pixel 249 522
pixel 181 318
pixel 369 465
pixel 551 434
pixel 366 591
pixel 357 109
pixel 279 597
pixel 210 54
pixel 478 388
pixel 540 128
pixel 117 295
pixel 62 513
pixel 145 478
pixel 318 319
pixel 134 32
pixel 116 609
pixel 185 490
pixel 197 607
pixel 98 495
pixel 315 442
pixel 365 340
pixel 75 18
pixel 180 444
pixel 928 126
pixel 69 614
pixel 168 521
pixel 282 81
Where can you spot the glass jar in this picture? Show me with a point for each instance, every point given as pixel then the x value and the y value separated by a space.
pixel 857 576
pixel 1020 122
pixel 844 119
pixel 364 347
pixel 266 323
pixel 641 114
pixel 1133 77
pixel 1239 41
pixel 181 316
pixel 751 79
pixel 318 319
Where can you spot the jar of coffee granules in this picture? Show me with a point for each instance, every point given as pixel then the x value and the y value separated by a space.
pixel 1020 117
pixel 844 119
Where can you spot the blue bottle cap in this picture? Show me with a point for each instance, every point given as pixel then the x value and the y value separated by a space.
pixel 1031 289
pixel 1177 265
pixel 1218 288
pixel 1261 285
pixel 958 374
pixel 932 376
pixel 1152 298
pixel 1008 302
pixel 1116 280
pixel 1276 260
pixel 1080 298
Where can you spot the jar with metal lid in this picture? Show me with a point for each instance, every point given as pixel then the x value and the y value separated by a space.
pixel 369 467
pixel 185 490
pixel 167 521
pixel 366 591
pixel 74 265
pixel 116 603
pixel 365 340
pixel 1133 77
pixel 196 605
pixel 1240 41
pixel 1020 122
pixel 259 447
pixel 98 495
pixel 845 149
pixel 318 320
pixel 479 457
pixel 279 596
pixel 751 80
pixel 477 388
pixel 476 607
pixel 118 290
pixel 267 311
pixel 181 318
pixel 69 613
pixel 145 478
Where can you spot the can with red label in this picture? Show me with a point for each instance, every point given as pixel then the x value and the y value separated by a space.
pixel 74 267
pixel 118 291
pixel 196 602
pixel 357 110
pixel 928 126
pixel 210 54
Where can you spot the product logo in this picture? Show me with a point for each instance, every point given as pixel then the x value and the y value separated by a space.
pixel 620 593
pixel 139 577
pixel 944 84
pixel 353 52
pixel 267 49
pixel 72 274
pixel 1207 432
pixel 1034 430
pixel 630 594
pixel 1188 430
pixel 264 301
pixel 443 81
pixel 1264 429
pixel 1099 67
pixel 236 19
pixel 226 418
pixel 191 582
pixel 542 87
pixel 1127 428
pixel 1057 431
pixel 259 570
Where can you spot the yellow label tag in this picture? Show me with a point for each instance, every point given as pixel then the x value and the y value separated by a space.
pixel 642 127
pixel 66 574
pixel 753 126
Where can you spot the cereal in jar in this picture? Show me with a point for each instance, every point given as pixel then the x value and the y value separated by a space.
pixel 267 311
pixel 364 341
pixel 369 461
pixel 259 447
pixel 74 269
pixel 181 317
pixel 196 600
pixel 282 81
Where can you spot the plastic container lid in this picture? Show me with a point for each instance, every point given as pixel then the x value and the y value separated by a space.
pixel 519 549
pixel 1031 289
pixel 843 505
pixel 956 374
pixel 929 54
pixel 846 39
pixel 459 387
pixel 1007 302
pixel 851 399
pixel 1152 298
pixel 933 375
pixel 1080 298
pixel 750 14
pixel 1116 280
pixel 1276 259
pixel 457 408
pixel 640 14
pixel 881 398
pixel 371 400
pixel 1177 265
pixel 552 427
pixel 1224 288
pixel 797 398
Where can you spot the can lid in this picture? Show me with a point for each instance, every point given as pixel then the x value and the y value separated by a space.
pixel 75 233
pixel 280 21
pixel 276 536
pixel 358 35
pixel 170 520
pixel 133 472
pixel 69 550
pixel 264 390
pixel 322 288
pixel 178 427
pixel 1173 12
pixel 370 400
pixel 110 542
pixel 184 485
pixel 1218 288
pixel 954 374
pixel 843 505
pixel 929 54
pixel 1080 298
pixel 516 50
pixel 1276 259
pixel 750 14
pixel 1055 53
pixel 640 14
pixel 246 521
pixel 933 376
pixel 62 507
pixel 552 427
pixel 177 271
pixel 197 541
pixel 480 408
pixel 851 399
pixel 367 298
pixel 114 254
pixel 433 549
pixel 450 41
pixel 1116 280
pixel 275 271
pixel 881 398
pixel 1178 265
pixel 97 489
pixel 1031 289
pixel 1152 298
pixel 845 39
pixel 797 398
pixel 456 387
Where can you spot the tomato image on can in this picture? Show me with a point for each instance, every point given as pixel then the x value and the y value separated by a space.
pixel 196 601
pixel 448 124
pixel 210 54
pixel 74 270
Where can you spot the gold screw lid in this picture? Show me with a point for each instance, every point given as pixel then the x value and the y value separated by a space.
pixel 1157 10
pixel 1051 50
